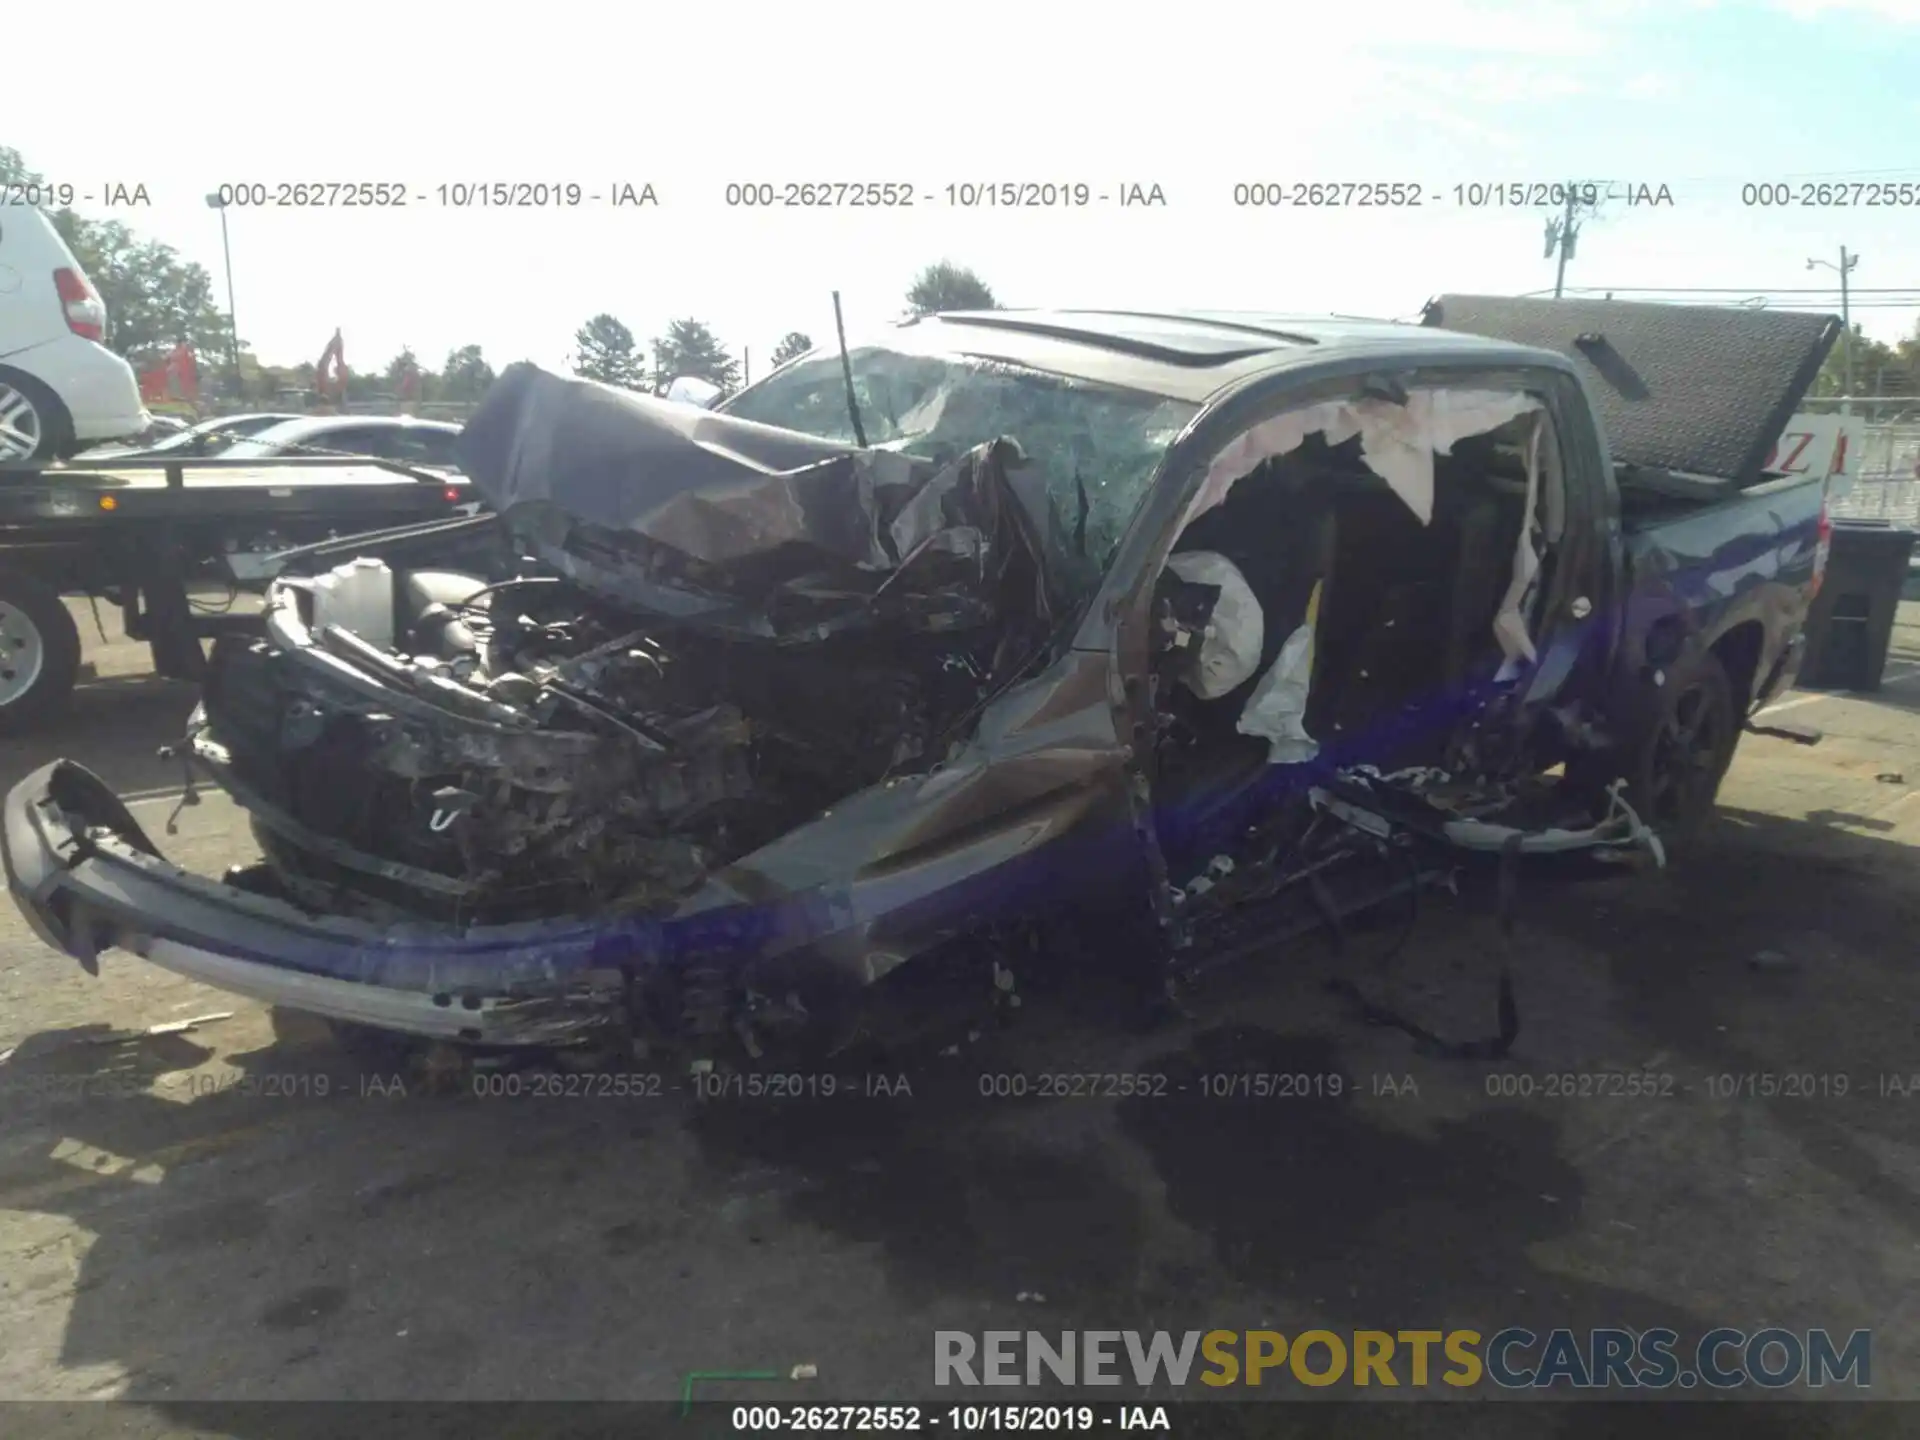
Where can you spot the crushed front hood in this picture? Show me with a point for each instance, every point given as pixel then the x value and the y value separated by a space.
pixel 745 527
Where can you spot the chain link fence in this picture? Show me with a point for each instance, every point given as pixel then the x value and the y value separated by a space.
pixel 1886 475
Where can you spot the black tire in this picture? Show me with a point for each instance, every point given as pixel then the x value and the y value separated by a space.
pixel 1682 752
pixel 54 424
pixel 34 621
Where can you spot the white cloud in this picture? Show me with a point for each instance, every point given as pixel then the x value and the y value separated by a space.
pixel 1899 12
pixel 1650 85
pixel 1511 27
pixel 1213 92
pixel 1494 83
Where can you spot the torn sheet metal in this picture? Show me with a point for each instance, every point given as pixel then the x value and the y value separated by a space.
pixel 1397 442
pixel 1451 817
pixel 1236 630
pixel 747 527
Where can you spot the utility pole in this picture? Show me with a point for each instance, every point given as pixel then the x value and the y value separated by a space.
pixel 1847 262
pixel 1563 230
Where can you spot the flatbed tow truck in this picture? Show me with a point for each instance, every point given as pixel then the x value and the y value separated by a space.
pixel 146 533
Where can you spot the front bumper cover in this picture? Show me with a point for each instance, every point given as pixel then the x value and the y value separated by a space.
pixel 87 878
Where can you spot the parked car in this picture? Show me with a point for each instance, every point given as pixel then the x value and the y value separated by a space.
pixel 425 443
pixel 163 427
pixel 1192 631
pixel 61 389
pixel 208 438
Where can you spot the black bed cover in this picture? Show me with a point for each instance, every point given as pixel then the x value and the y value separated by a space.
pixel 1694 389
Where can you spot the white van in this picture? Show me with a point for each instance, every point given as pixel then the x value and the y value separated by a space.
pixel 61 389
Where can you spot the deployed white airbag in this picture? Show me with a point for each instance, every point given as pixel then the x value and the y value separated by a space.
pixel 1277 710
pixel 1230 653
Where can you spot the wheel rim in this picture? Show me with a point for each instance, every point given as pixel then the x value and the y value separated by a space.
pixel 20 431
pixel 1686 755
pixel 23 653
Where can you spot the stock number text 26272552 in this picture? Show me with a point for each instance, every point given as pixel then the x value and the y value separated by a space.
pixel 314 194
pixel 1328 194
pixel 1831 195
pixel 819 194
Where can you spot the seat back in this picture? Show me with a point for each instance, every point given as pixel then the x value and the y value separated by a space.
pixel 1407 619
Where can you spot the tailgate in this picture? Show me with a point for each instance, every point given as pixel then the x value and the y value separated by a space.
pixel 1702 390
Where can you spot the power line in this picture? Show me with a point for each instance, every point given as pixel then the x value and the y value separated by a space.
pixel 1761 298
pixel 1749 176
pixel 1756 299
pixel 1752 289
pixel 1782 298
pixel 1791 302
pixel 1761 302
pixel 1807 306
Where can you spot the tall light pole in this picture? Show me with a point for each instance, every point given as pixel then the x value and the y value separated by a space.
pixel 1847 262
pixel 216 202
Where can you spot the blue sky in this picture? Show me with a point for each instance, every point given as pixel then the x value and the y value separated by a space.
pixel 1700 97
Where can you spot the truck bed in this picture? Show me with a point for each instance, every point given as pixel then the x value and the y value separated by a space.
pixel 1699 569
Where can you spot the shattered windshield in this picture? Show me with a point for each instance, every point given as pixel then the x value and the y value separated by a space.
pixel 1092 450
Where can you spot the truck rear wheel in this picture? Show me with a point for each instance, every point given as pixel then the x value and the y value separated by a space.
pixel 1675 767
pixel 39 652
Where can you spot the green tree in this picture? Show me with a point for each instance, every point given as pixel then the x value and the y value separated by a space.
pixel 466 375
pixel 947 286
pixel 154 299
pixel 1907 352
pixel 1887 369
pixel 793 343
pixel 690 348
pixel 1873 364
pixel 605 350
pixel 406 360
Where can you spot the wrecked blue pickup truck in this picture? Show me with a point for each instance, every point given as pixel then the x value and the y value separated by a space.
pixel 723 721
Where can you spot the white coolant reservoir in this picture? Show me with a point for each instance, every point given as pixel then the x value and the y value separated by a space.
pixel 358 597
